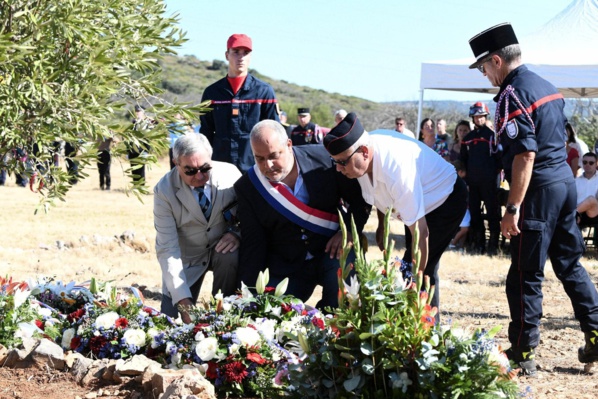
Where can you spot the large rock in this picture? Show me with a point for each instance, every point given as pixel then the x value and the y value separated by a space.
pixel 135 366
pixel 192 383
pixel 48 354
pixel 80 366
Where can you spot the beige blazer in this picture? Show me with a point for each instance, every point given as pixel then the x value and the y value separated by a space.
pixel 184 239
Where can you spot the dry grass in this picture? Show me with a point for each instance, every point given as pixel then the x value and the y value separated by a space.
pixel 89 223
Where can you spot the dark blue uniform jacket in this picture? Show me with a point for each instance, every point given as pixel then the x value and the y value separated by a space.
pixel 228 125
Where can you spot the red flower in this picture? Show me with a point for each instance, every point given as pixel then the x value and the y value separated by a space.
pixel 39 324
pixel 75 342
pixel 286 308
pixel 256 358
pixel 198 327
pixel 121 323
pixel 212 372
pixel 76 315
pixel 318 323
pixel 96 344
pixel 234 372
pixel 269 290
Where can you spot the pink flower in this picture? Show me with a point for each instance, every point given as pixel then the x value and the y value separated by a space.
pixel 256 358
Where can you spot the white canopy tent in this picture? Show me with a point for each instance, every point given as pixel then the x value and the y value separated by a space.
pixel 563 51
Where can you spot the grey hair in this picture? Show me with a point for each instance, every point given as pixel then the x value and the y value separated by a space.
pixel 364 140
pixel 510 53
pixel 190 144
pixel 341 113
pixel 268 124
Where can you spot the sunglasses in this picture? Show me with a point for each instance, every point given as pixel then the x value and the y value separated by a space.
pixel 589 162
pixel 346 161
pixel 193 171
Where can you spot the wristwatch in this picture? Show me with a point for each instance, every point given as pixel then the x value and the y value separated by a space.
pixel 512 209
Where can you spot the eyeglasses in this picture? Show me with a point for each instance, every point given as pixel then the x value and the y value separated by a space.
pixel 589 162
pixel 193 171
pixel 481 66
pixel 346 161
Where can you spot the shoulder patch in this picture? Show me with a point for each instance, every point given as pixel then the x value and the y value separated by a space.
pixel 512 129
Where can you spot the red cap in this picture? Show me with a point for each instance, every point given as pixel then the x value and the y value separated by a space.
pixel 239 40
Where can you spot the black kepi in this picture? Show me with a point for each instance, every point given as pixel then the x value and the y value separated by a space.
pixel 343 135
pixel 491 40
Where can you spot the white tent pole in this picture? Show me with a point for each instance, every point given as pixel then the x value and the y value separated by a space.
pixel 419 113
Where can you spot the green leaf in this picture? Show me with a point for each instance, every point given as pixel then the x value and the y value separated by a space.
pixel 352 383
pixel 366 348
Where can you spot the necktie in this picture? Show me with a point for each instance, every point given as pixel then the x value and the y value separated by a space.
pixel 204 202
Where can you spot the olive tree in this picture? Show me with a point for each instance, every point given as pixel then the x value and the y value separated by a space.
pixel 72 71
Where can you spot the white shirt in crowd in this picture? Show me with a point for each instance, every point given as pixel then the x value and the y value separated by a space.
pixel 586 187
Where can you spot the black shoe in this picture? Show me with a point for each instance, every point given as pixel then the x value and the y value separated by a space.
pixel 589 352
pixel 524 358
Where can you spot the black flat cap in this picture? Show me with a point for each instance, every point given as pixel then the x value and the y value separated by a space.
pixel 302 111
pixel 343 135
pixel 490 40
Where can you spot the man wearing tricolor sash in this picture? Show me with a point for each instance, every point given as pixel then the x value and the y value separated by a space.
pixel 288 210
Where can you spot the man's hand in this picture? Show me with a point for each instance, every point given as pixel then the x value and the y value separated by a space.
pixel 508 225
pixel 228 243
pixel 185 304
pixel 335 245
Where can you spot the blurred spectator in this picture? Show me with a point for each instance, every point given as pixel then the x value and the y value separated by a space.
pixel 483 165
pixel 339 116
pixel 577 143
pixel 463 127
pixel 401 127
pixel 587 188
pixel 429 137
pixel 140 123
pixel 441 131
pixel 307 132
pixel 104 161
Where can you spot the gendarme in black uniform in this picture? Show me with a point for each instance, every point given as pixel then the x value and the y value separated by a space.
pixel 310 134
pixel 536 122
pixel 530 120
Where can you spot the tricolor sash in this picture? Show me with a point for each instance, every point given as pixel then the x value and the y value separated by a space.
pixel 285 203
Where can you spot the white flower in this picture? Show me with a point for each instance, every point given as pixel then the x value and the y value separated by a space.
pixel 267 327
pixel 353 290
pixel 134 336
pixel 227 306
pixel 245 292
pixel 206 349
pixel 26 330
pixel 248 336
pixel 276 310
pixel 219 296
pixel 233 349
pixel 107 320
pixel 199 336
pixel 67 336
pixel 20 296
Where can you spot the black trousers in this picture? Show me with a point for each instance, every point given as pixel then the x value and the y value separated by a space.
pixel 486 192
pixel 104 160
pixel 443 222
pixel 548 229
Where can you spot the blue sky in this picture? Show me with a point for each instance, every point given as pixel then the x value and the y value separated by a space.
pixel 369 49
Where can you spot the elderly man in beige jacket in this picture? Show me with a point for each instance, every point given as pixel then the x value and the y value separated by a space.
pixel 195 225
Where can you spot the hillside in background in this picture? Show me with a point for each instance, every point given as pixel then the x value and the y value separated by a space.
pixel 186 77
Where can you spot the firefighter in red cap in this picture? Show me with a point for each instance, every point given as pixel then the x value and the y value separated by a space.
pixel 483 168
pixel 238 102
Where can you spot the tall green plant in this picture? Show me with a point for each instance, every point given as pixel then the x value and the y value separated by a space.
pixel 382 341
pixel 68 67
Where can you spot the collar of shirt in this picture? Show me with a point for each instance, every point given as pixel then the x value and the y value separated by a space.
pixel 300 190
pixel 207 189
